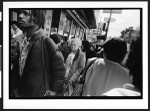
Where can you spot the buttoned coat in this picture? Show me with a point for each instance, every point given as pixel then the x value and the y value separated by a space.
pixel 77 65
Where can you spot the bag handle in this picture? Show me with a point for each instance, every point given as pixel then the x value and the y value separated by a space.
pixel 88 64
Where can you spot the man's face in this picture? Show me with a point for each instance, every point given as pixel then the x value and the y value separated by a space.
pixel 24 19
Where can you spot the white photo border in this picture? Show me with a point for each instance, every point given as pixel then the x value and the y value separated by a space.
pixel 74 103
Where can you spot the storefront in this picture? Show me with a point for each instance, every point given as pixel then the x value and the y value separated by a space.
pixel 68 26
pixel 70 23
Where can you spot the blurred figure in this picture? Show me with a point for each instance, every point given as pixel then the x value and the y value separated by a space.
pixel 107 73
pixel 40 69
pixel 86 48
pixel 134 64
pixel 65 48
pixel 15 31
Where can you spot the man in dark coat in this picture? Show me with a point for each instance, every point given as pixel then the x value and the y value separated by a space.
pixel 41 66
pixel 64 48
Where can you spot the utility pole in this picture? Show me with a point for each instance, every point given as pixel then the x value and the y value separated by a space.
pixel 108 23
pixel 98 29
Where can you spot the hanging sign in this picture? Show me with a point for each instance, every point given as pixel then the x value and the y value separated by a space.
pixel 113 11
pixel 48 26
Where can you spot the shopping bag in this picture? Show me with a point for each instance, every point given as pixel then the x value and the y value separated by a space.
pixel 77 90
pixel 69 89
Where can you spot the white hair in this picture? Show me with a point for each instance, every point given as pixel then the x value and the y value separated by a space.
pixel 77 40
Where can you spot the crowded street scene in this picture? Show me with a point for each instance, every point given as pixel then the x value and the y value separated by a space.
pixel 75 52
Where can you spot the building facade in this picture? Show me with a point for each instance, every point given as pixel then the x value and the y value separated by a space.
pixel 70 23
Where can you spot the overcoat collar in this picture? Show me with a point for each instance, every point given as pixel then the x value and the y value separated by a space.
pixel 36 36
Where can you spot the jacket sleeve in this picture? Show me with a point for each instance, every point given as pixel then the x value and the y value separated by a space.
pixel 57 65
pixel 81 65
pixel 59 71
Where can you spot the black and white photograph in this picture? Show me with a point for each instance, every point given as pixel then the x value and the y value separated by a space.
pixel 69 53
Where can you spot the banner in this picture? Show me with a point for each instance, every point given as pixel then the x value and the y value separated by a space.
pixel 48 23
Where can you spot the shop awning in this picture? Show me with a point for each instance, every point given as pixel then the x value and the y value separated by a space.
pixel 88 17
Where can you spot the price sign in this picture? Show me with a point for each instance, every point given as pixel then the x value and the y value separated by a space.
pixel 48 26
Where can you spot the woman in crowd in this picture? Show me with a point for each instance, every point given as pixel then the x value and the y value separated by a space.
pixel 15 30
pixel 107 73
pixel 75 61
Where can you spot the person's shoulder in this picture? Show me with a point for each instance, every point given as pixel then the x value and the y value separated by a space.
pixel 121 92
pixel 48 40
pixel 81 52
pixel 118 66
pixel 122 68
pixel 112 63
pixel 100 61
pixel 95 59
pixel 20 31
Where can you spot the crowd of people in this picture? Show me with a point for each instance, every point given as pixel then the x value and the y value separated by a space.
pixel 55 66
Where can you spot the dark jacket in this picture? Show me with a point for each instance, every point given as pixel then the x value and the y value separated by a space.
pixel 32 82
pixel 65 49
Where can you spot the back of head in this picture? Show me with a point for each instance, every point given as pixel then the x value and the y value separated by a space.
pixel 56 38
pixel 115 49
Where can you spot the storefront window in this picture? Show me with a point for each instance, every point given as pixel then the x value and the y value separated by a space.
pixel 73 29
pixel 77 31
pixel 67 25
pixel 61 23
pixel 81 33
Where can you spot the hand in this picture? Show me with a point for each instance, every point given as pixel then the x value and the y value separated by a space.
pixel 49 93
pixel 70 81
pixel 81 79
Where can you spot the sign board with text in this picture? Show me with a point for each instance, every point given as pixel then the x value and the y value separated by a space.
pixel 113 11
pixel 111 20
pixel 48 23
